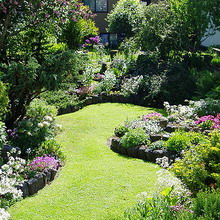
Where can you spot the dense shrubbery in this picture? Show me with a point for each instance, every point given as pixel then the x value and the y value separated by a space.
pixel 197 149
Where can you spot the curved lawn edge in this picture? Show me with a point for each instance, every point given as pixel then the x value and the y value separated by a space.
pixel 95 183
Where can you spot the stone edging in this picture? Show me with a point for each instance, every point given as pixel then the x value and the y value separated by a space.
pixel 33 185
pixel 102 98
pixel 141 152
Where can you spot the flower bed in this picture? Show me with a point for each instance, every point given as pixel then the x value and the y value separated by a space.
pixel 154 136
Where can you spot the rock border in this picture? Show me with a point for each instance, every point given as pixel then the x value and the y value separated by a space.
pixel 38 182
pixel 141 152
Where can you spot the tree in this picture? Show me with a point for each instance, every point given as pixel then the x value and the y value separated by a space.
pixel 126 17
pixel 177 25
pixel 29 30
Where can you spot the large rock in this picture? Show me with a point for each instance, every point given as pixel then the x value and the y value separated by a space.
pixel 163 122
pixel 141 152
pixel 150 155
pixel 24 188
pixel 115 144
pixel 133 152
pixel 53 174
pixel 36 183
pixel 155 137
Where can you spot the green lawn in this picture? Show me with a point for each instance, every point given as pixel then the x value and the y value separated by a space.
pixel 95 183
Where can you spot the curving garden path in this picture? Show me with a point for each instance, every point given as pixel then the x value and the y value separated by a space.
pixel 95 183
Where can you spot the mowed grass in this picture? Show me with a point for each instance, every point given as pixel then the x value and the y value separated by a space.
pixel 95 183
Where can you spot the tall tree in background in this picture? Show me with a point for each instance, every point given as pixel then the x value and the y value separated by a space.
pixel 32 60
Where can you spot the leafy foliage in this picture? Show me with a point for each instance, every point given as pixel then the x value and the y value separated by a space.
pixel 126 17
pixel 199 167
pixel 134 137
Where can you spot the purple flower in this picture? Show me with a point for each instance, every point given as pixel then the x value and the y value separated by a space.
pixel 43 163
pixel 154 115
pixel 211 118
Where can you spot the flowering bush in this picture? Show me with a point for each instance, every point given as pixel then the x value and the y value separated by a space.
pixel 10 177
pixel 209 121
pixel 107 83
pixel 91 41
pixel 4 215
pixel 43 163
pixel 179 113
pixel 199 167
pixel 131 86
pixel 152 116
pixel 38 126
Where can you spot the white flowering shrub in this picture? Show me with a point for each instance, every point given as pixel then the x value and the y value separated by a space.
pixel 10 178
pixel 4 215
pixel 107 83
pixel 131 86
pixel 38 126
pixel 179 113
pixel 2 134
pixel 167 179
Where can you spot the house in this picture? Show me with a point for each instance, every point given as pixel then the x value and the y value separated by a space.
pixel 102 8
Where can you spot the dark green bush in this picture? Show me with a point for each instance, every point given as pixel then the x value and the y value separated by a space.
pixel 51 148
pixel 121 130
pixel 134 137
pixel 59 99
pixel 183 141
pixel 207 205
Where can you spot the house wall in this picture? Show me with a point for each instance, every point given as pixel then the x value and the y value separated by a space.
pixel 212 40
pixel 100 19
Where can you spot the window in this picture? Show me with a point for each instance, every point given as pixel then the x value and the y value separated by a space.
pixel 97 5
pixel 110 40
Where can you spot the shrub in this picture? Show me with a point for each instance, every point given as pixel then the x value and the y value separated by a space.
pixel 107 83
pixel 59 99
pixel 183 141
pixel 134 137
pixel 130 86
pixel 199 167
pixel 121 130
pixel 205 81
pixel 3 135
pixel 206 205
pixel 3 99
pixel 126 17
pixel 38 126
pixel 51 148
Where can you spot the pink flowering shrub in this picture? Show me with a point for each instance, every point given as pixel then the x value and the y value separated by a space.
pixel 152 116
pixel 209 121
pixel 43 163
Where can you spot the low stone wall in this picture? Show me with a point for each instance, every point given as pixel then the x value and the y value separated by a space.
pixel 102 98
pixel 141 152
pixel 33 185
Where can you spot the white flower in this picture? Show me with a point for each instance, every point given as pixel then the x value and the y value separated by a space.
pixel 40 125
pixel 48 118
pixel 5 167
pixel 46 123
pixel 4 215
pixel 58 126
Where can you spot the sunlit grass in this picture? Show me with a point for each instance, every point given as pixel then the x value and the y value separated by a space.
pixel 95 183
